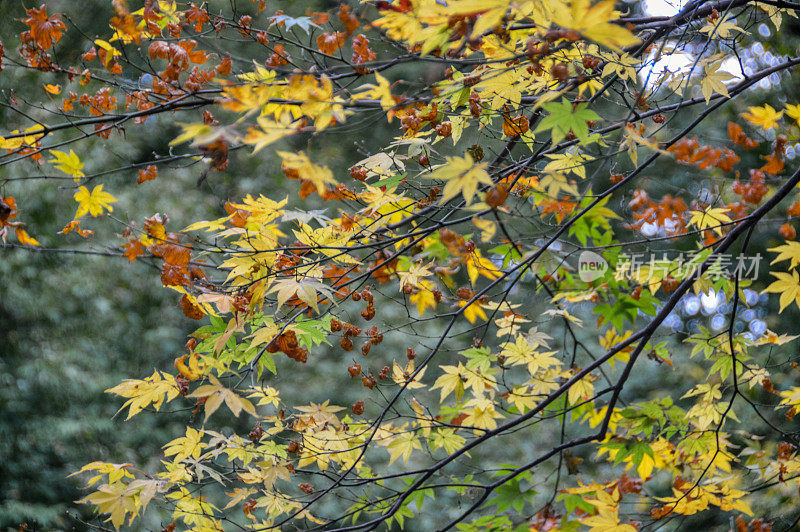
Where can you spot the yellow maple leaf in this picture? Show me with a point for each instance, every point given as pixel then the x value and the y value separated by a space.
pixel 607 520
pixel 451 381
pixel 788 286
pixel 521 352
pixel 403 445
pixel 381 92
pixel 446 439
pixel 266 395
pixel 788 251
pixel 714 80
pixel 791 398
pixel 185 446
pixel 305 290
pixel 399 375
pixel 583 390
pixel 329 241
pixel 115 499
pixel 201 134
pixel 462 175
pixel 69 163
pixel 793 112
pixel 268 132
pixel 487 227
pixel 424 297
pixel 721 28
pixel 115 472
pixel 412 276
pixel 522 399
pixel 155 390
pixel 473 312
pixel 712 218
pixel 93 202
pixel 215 394
pixel 36 134
pixel 503 88
pixel 592 21
pixel 766 116
pixel 481 414
pixel 477 265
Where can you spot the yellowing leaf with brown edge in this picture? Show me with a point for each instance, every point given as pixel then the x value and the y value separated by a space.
pixel 75 225
pixel 788 286
pixel 305 169
pixel 24 238
pixel 305 290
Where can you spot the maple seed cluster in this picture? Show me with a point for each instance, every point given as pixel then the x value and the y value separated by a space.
pixel 287 342
pixel 256 434
pixel 348 330
pixel 367 296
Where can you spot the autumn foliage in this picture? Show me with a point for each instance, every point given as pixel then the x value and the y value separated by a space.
pixel 509 146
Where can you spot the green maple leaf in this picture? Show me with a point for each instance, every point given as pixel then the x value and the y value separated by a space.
pixel 563 119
